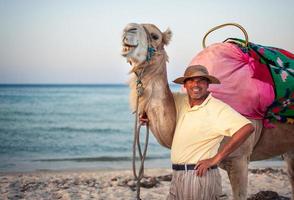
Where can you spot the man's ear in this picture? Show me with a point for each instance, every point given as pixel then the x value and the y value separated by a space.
pixel 167 36
pixel 184 84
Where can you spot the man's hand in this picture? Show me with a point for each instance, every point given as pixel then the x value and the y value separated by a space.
pixel 203 165
pixel 143 119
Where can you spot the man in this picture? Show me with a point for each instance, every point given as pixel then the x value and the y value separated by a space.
pixel 202 122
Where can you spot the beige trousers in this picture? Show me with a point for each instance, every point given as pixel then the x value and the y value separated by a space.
pixel 186 185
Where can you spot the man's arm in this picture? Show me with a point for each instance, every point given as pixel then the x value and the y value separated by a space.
pixel 235 141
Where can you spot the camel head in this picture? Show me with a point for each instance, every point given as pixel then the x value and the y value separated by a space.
pixel 141 41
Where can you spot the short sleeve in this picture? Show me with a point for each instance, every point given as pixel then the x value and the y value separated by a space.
pixel 230 121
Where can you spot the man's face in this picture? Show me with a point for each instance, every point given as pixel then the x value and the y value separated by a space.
pixel 197 88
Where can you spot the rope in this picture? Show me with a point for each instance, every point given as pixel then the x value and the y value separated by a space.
pixel 223 25
pixel 140 90
pixel 138 176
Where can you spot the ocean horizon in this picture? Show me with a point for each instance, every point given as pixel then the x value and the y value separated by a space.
pixel 72 126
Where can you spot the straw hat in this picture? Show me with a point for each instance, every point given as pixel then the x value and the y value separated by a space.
pixel 196 71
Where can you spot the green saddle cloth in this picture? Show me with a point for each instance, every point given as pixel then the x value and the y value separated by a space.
pixel 278 69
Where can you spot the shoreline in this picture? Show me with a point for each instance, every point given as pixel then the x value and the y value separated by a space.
pixel 29 166
pixel 101 170
pixel 119 183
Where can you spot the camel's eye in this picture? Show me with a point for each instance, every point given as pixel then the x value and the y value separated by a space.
pixel 154 36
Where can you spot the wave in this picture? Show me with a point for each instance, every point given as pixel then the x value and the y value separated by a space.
pixel 73 130
pixel 99 159
pixel 85 130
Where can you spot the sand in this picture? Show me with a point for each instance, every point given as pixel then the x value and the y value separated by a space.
pixel 117 184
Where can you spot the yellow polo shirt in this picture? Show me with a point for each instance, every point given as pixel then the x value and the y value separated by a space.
pixel 200 129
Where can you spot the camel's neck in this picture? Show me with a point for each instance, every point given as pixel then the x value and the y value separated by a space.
pixel 154 82
pixel 156 100
pixel 154 70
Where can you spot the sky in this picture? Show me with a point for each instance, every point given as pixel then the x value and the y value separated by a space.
pixel 79 42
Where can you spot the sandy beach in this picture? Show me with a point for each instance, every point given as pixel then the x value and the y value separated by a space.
pixel 118 184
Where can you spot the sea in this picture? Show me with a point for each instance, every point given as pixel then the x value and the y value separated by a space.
pixel 71 127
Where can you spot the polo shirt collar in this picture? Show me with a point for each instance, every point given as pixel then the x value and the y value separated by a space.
pixel 196 107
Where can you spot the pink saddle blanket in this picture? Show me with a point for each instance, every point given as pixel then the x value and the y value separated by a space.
pixel 245 87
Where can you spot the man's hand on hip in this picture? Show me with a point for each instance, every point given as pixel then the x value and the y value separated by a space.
pixel 203 165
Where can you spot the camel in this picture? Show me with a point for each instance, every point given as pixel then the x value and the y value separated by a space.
pixel 143 47
pixel 157 100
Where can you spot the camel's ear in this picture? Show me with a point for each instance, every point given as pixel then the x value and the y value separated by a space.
pixel 167 36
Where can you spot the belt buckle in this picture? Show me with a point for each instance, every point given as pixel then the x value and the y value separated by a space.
pixel 186 168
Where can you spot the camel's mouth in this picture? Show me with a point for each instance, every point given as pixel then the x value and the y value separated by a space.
pixel 127 48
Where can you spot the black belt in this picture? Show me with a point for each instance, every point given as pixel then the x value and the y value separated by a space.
pixel 188 167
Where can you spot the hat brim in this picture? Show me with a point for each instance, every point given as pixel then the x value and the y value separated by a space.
pixel 212 79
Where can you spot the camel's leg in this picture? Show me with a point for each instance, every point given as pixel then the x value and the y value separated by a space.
pixel 236 164
pixel 237 169
pixel 289 158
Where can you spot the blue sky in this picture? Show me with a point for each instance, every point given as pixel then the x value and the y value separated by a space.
pixel 68 41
